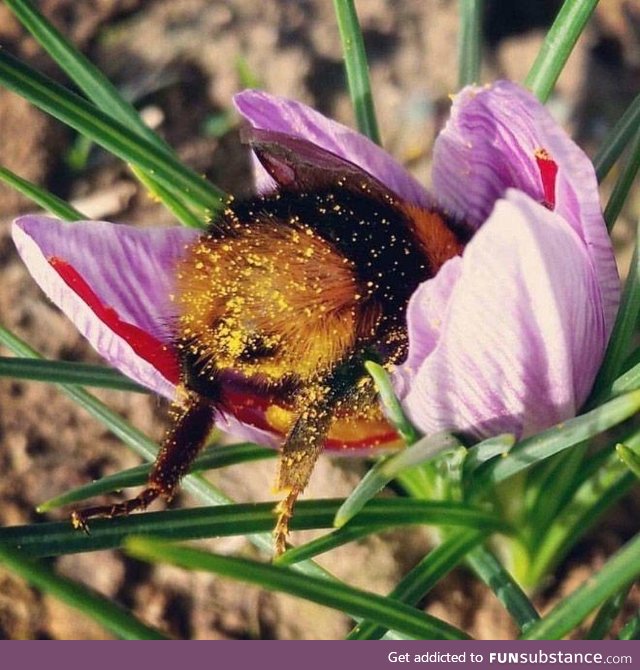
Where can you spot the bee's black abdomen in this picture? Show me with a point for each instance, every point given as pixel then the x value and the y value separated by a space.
pixel 291 284
pixel 374 236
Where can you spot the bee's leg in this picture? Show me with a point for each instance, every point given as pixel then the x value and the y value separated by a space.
pixel 193 417
pixel 306 438
pixel 299 455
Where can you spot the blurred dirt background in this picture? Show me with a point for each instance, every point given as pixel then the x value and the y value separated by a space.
pixel 180 61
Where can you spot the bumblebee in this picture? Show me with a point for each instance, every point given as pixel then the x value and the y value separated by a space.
pixel 286 296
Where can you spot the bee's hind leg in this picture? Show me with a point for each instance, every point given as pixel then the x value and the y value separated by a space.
pixel 193 418
pixel 299 454
pixel 306 437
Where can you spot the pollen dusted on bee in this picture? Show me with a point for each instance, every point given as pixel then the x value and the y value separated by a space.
pixel 267 302
pixel 285 297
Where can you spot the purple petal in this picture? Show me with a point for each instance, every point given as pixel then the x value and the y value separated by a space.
pixel 263 182
pixel 523 333
pixel 244 431
pixel 114 282
pixel 426 314
pixel 268 112
pixel 490 144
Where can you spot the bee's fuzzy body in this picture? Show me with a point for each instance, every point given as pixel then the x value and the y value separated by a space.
pixel 284 288
pixel 280 303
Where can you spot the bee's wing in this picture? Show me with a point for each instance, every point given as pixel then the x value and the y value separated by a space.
pixel 297 164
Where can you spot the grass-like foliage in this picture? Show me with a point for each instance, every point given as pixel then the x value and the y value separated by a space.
pixel 563 479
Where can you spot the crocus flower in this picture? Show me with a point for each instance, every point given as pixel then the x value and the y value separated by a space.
pixel 507 337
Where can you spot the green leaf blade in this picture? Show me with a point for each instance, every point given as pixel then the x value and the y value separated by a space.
pixel 117 138
pixel 42 198
pixel 469 41
pixel 53 539
pixel 617 140
pixel 625 326
pixel 423 577
pixel 355 60
pixel 85 75
pixel 623 184
pixel 218 456
pixel 67 372
pixel 354 602
pixel 615 575
pixel 495 576
pixel 606 615
pixel 558 45
pixel 387 469
pixel 392 405
pixel 563 436
pixel 107 613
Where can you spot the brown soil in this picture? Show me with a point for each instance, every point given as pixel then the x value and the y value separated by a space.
pixel 178 60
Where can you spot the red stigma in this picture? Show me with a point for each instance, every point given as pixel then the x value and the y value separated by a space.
pixel 548 170
pixel 145 345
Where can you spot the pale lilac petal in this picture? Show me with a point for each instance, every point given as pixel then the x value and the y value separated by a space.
pixel 523 334
pixel 263 182
pixel 130 272
pixel 426 314
pixel 128 269
pixel 244 431
pixel 268 112
pixel 490 144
